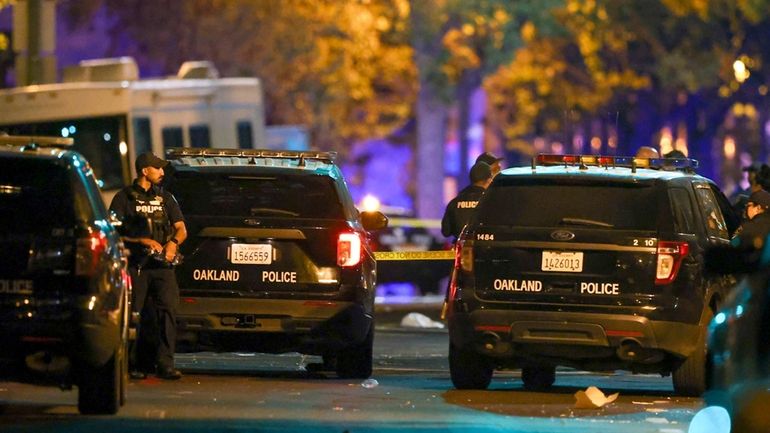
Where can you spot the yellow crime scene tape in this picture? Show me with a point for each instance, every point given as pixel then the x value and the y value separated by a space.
pixel 414 223
pixel 415 255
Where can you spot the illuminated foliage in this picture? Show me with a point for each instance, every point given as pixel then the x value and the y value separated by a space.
pixel 612 50
pixel 342 68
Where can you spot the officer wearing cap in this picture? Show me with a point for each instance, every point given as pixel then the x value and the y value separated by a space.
pixel 459 211
pixel 759 178
pixel 153 228
pixel 751 235
pixel 492 161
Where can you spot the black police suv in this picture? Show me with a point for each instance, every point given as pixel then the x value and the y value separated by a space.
pixel 595 263
pixel 64 288
pixel 278 257
pixel 738 349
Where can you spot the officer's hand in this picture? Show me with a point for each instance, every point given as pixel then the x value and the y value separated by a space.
pixel 154 246
pixel 170 251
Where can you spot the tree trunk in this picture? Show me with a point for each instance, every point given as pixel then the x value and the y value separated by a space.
pixel 469 82
pixel 431 129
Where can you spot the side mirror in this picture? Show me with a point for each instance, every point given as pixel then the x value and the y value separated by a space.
pixel 373 220
pixel 725 260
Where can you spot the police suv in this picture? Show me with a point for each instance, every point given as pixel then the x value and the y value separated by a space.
pixel 64 287
pixel 278 257
pixel 590 262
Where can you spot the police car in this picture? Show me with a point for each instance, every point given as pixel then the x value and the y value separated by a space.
pixel 64 288
pixel 278 257
pixel 595 263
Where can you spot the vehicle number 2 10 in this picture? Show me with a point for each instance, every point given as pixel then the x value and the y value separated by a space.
pixel 649 242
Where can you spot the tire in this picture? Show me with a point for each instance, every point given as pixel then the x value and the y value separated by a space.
pixel 538 378
pixel 99 387
pixel 355 362
pixel 690 377
pixel 468 369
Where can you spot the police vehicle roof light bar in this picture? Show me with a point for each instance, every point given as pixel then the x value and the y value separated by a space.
pixel 616 161
pixel 35 141
pixel 181 152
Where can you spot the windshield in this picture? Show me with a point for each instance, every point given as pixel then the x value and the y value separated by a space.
pixel 35 195
pixel 550 204
pixel 297 196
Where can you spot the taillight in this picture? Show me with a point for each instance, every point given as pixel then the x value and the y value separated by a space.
pixel 452 294
pixel 670 255
pixel 89 250
pixel 348 249
pixel 466 255
pixel 463 262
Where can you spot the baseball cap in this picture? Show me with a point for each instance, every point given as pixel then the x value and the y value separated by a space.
pixel 148 159
pixel 488 158
pixel 761 198
pixel 480 171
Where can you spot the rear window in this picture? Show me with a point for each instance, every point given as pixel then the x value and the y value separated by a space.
pixel 293 196
pixel 545 203
pixel 35 195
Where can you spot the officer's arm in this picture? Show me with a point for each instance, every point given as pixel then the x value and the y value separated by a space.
pixel 180 234
pixel 446 222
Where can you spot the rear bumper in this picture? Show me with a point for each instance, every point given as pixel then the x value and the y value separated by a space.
pixel 571 336
pixel 86 337
pixel 309 326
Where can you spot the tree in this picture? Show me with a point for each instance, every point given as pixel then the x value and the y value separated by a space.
pixel 341 68
pixel 667 63
pixel 457 43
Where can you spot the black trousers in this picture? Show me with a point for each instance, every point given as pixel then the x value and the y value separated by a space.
pixel 160 287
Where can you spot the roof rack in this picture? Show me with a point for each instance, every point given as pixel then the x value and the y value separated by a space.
pixel 186 152
pixel 32 142
pixel 583 161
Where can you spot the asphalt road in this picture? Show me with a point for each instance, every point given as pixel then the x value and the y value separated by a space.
pixel 410 391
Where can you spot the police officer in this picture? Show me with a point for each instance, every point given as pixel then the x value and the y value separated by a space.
pixel 492 160
pixel 752 234
pixel 459 211
pixel 153 228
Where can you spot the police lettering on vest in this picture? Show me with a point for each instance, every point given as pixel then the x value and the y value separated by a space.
pixel 467 204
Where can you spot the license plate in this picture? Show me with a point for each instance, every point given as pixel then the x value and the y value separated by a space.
pixel 251 254
pixel 560 261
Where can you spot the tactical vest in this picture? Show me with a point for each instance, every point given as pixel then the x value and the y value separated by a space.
pixel 147 216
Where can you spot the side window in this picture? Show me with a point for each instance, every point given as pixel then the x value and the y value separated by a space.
pixel 712 215
pixel 731 218
pixel 684 218
pixel 244 134
pixel 199 136
pixel 172 137
pixel 142 137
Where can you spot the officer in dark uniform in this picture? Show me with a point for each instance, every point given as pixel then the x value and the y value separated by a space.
pixel 459 211
pixel 153 228
pixel 752 234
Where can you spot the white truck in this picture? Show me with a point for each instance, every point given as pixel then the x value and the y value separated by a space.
pixel 114 116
